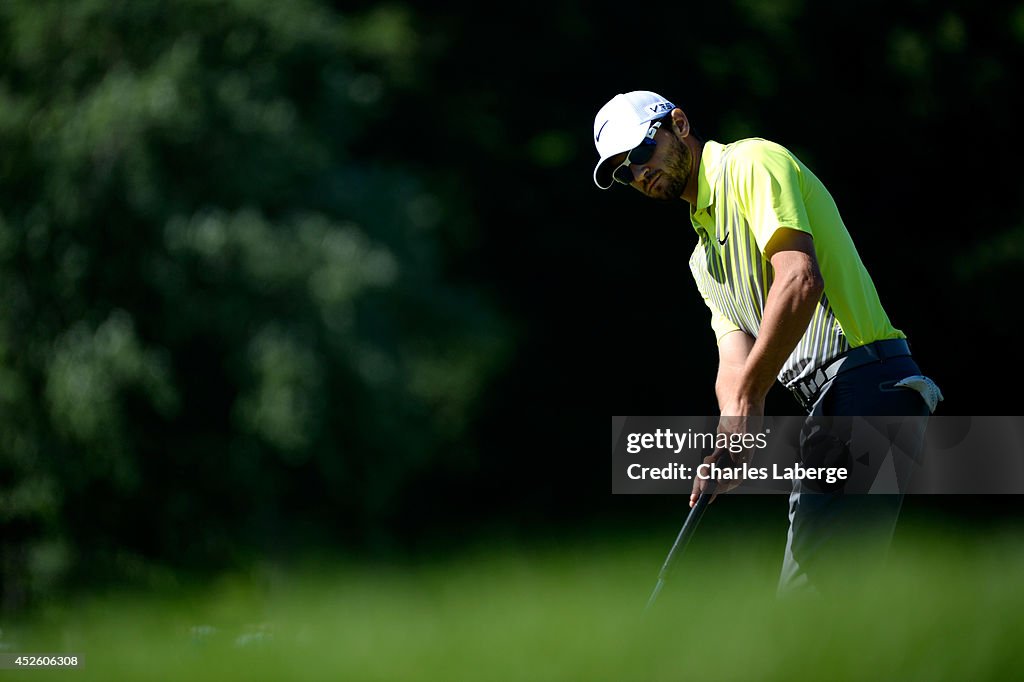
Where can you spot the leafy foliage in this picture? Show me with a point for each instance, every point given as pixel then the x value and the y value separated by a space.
pixel 218 323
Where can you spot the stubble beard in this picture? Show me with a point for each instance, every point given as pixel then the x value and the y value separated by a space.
pixel 677 171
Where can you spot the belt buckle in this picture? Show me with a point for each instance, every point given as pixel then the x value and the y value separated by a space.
pixel 808 389
pixel 804 393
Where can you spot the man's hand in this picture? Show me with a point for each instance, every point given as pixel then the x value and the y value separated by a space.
pixel 723 458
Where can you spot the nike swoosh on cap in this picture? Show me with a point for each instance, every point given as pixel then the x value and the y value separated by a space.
pixel 600 130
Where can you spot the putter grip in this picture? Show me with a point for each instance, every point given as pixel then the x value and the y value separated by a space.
pixel 693 518
pixel 690 525
pixel 702 502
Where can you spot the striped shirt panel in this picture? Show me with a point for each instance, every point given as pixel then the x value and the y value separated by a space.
pixel 734 282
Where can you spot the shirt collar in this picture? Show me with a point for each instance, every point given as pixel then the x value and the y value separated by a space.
pixel 707 174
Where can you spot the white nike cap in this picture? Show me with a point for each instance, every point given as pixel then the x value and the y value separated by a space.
pixel 621 124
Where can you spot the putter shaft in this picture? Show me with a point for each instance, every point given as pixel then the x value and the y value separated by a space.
pixel 685 533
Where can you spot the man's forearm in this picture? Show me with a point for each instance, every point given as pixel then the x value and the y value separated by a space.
pixel 787 312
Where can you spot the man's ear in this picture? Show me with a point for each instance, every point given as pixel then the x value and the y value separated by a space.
pixel 680 124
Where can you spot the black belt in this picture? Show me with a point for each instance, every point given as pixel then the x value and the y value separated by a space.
pixel 808 390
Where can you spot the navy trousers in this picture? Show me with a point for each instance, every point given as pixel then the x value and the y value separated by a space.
pixel 856 422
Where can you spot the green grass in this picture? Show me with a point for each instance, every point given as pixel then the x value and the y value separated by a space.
pixel 948 607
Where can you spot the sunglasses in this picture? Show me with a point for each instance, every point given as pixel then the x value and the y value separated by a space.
pixel 641 153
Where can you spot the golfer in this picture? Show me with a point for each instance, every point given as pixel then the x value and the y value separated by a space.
pixel 789 300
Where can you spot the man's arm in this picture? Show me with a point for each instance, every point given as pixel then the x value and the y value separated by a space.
pixel 747 368
pixel 733 350
pixel 795 291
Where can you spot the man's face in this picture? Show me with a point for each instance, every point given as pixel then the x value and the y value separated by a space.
pixel 666 173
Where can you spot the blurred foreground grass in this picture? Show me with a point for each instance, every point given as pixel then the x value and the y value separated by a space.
pixel 948 607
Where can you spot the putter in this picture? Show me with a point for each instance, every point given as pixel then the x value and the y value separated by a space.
pixel 685 533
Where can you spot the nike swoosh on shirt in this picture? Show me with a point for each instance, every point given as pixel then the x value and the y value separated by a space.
pixel 599 130
pixel 723 240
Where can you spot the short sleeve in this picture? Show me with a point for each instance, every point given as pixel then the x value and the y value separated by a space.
pixel 721 324
pixel 769 189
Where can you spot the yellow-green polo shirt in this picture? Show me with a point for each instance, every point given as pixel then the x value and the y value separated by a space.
pixel 746 190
